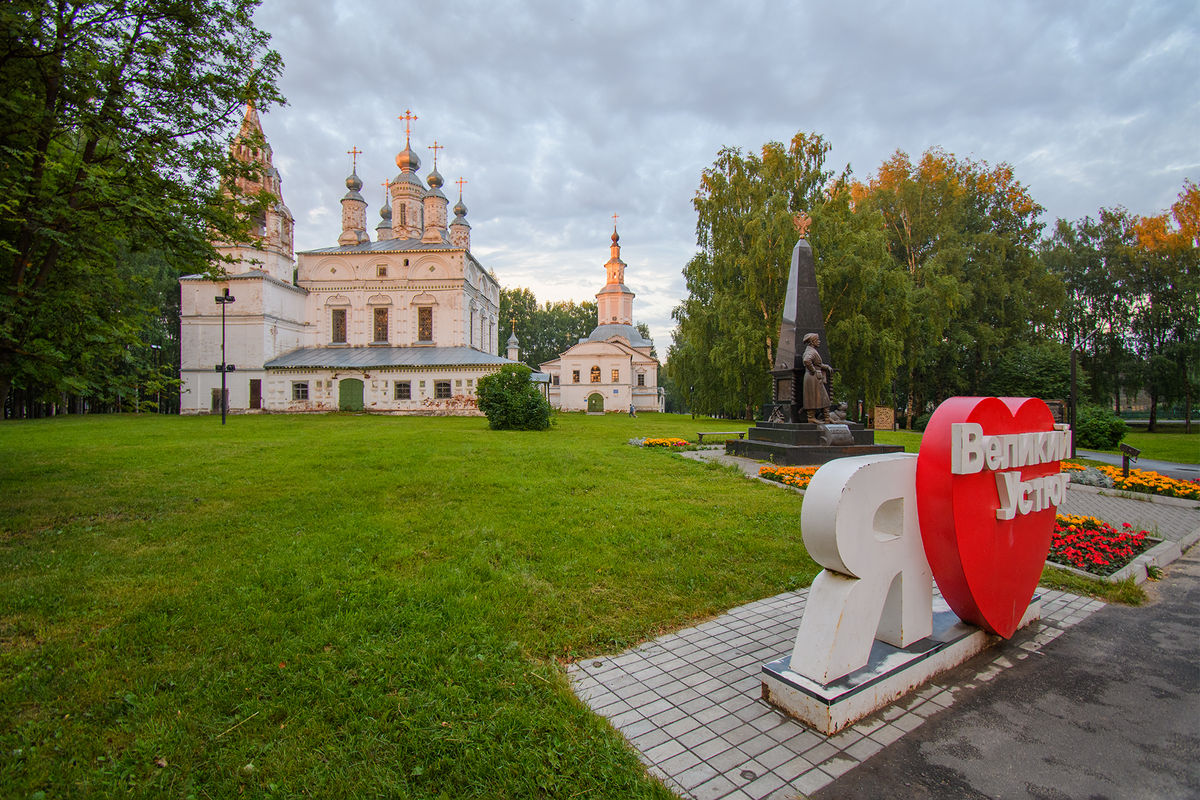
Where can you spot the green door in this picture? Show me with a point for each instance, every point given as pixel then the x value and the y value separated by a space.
pixel 596 403
pixel 350 392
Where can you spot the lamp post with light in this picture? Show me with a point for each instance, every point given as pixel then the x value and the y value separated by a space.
pixel 223 300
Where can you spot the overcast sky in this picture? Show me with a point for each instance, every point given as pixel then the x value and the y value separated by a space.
pixel 560 114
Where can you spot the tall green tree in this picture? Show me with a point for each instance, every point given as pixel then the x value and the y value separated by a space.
pixel 966 234
pixel 544 331
pixel 1133 287
pixel 727 328
pixel 114 124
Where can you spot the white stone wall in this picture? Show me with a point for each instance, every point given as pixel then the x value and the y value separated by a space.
pixel 378 389
pixel 264 321
pixel 571 396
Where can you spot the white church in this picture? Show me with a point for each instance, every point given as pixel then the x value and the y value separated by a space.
pixel 406 323
pixel 611 369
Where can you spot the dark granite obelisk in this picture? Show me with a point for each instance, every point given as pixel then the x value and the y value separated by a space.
pixel 781 437
pixel 801 316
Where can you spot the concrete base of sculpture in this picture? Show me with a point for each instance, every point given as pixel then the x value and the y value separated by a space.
pixel 891 673
pixel 797 443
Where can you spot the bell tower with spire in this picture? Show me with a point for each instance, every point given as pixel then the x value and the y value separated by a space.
pixel 614 302
pixel 269 249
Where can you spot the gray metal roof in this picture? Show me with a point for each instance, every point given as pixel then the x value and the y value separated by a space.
pixel 373 357
pixel 385 246
pixel 603 333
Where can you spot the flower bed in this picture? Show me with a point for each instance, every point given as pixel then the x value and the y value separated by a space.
pixel 1093 545
pixel 792 476
pixel 1144 481
pixel 667 442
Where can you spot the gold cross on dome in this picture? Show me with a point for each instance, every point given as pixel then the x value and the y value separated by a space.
pixel 615 221
pixel 408 118
pixel 514 324
pixel 435 147
pixel 387 188
pixel 354 153
pixel 461 180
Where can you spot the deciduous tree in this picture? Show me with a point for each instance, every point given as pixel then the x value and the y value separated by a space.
pixel 114 123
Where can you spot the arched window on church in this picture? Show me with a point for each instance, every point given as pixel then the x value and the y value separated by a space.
pixel 595 374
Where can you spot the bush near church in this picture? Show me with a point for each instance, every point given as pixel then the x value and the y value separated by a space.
pixel 1098 428
pixel 511 402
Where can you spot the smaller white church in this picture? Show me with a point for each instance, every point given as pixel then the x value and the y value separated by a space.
pixel 612 369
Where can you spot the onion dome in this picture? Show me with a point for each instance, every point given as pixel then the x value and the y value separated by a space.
pixel 354 183
pixel 407 160
pixel 435 179
pixel 615 238
pixel 460 209
pixel 385 211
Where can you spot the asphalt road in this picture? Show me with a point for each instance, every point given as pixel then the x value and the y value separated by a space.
pixel 1111 709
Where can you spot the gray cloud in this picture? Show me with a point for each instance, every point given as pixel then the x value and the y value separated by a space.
pixel 559 114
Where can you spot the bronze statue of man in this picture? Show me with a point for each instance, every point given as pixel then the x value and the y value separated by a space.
pixel 816 380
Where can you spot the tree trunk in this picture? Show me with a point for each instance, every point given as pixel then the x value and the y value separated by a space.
pixel 1150 428
pixel 5 388
pixel 1187 408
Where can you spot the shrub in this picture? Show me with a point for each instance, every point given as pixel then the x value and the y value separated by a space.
pixel 922 422
pixel 511 402
pixel 1098 427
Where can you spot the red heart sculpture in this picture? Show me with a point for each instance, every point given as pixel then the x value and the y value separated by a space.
pixel 986 568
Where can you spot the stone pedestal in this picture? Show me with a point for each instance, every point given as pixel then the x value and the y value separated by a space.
pixel 797 443
pixel 891 673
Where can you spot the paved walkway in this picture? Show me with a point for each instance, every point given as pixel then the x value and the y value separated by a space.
pixel 690 702
pixel 1172 469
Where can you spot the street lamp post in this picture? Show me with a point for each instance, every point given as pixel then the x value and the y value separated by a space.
pixel 1072 416
pixel 223 300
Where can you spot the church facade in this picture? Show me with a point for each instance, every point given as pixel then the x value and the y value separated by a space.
pixel 404 323
pixel 612 369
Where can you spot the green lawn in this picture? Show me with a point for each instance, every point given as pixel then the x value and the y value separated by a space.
pixel 1181 447
pixel 350 605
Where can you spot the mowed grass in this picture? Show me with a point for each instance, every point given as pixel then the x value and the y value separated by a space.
pixel 1180 447
pixel 351 605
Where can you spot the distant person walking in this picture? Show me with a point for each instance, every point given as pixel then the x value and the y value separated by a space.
pixel 632 411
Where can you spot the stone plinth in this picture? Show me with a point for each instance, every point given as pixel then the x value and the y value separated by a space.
pixel 796 443
pixel 891 673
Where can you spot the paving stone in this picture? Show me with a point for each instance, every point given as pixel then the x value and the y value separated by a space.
pixel 811 781
pixel 718 787
pixel 649 739
pixel 887 734
pixel 763 786
pixel 710 748
pixel 664 718
pixel 680 763
pixel 655 707
pixel 779 754
pixel 681 726
pixel 863 749
pixel 838 766
pixel 724 724
pixel 662 752
pixel 758 744
pixel 793 768
pixel 729 759
pixel 711 713
pixel 695 737
pixel 692 779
